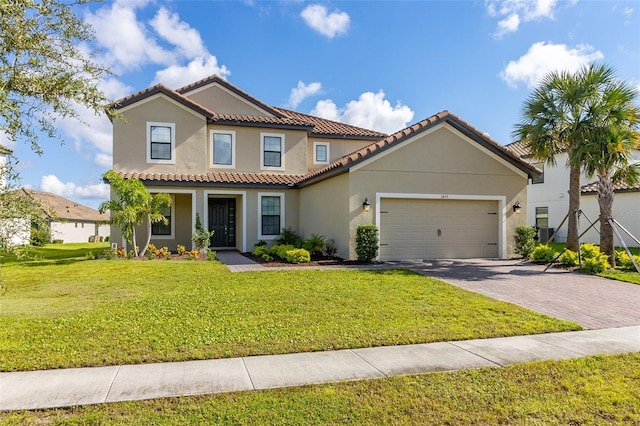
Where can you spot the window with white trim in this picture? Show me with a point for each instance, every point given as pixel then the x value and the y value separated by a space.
pixel 270 214
pixel 160 229
pixel 321 153
pixel 223 149
pixel 161 143
pixel 271 151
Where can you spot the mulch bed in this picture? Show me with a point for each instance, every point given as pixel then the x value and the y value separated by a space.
pixel 335 261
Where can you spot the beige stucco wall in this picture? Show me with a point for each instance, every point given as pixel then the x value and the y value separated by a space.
pixel 248 141
pixel 130 137
pixel 218 99
pixel 324 210
pixel 440 162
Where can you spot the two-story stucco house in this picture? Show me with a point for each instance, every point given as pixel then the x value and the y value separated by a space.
pixel 548 205
pixel 437 189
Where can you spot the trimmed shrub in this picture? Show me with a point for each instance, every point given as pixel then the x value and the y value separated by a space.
pixel 542 253
pixel 593 260
pixel 281 250
pixel 569 258
pixel 367 243
pixel 314 245
pixel 525 240
pixel 623 261
pixel 289 237
pixel 260 250
pixel 212 255
pixel 297 256
pixel 40 236
pixel 201 237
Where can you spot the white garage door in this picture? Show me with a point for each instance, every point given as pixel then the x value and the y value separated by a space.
pixel 438 229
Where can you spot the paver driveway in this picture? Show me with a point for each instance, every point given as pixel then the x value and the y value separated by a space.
pixel 591 301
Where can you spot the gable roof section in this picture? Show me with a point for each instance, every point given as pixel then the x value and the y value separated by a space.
pixel 343 164
pixel 215 79
pixel 161 89
pixel 281 118
pixel 57 207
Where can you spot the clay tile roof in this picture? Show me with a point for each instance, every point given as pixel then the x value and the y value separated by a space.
pixel 324 127
pixel 258 120
pixel 592 188
pixel 445 116
pixel 57 207
pixel 217 177
pixel 519 148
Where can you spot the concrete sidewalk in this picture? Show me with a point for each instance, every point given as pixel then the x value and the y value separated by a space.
pixel 77 386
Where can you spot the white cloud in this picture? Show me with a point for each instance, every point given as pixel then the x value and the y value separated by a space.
pixel 126 41
pixel 514 12
pixel 303 91
pixel 51 183
pixel 327 24
pixel 508 25
pixel 371 111
pixel 179 33
pixel 176 76
pixel 92 134
pixel 543 58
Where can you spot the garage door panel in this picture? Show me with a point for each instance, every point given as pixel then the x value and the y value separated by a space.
pixel 431 229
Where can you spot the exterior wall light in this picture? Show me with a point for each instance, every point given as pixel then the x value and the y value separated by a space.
pixel 366 206
pixel 517 208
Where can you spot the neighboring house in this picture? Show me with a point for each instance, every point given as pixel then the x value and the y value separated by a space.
pixel 14 231
pixel 437 189
pixel 548 198
pixel 69 221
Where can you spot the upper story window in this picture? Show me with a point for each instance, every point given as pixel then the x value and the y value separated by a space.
pixel 320 153
pixel 271 151
pixel 223 150
pixel 161 143
pixel 539 179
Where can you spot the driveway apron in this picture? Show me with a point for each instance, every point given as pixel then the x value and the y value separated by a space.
pixel 593 302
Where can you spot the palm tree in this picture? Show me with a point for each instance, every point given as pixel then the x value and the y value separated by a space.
pixel 563 113
pixel 607 156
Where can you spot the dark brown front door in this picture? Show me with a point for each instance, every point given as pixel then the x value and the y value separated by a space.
pixel 222 221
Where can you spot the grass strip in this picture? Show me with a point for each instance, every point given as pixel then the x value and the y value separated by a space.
pixel 593 390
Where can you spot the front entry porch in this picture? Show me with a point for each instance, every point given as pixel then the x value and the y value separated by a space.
pixel 222 221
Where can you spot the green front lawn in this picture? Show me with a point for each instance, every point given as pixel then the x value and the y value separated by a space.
pixel 98 312
pixel 594 390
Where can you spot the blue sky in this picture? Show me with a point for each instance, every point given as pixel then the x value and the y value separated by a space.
pixel 377 64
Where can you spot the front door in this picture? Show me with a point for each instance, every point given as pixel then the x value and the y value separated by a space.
pixel 222 221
